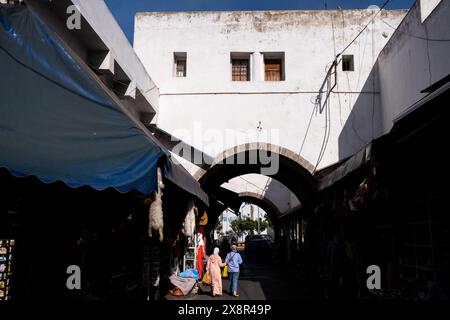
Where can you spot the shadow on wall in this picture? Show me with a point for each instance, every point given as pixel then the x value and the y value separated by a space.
pixel 281 195
pixel 364 121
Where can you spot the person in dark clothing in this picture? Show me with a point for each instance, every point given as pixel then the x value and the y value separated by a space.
pixel 336 256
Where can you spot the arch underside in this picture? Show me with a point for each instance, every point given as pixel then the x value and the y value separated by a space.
pixel 290 172
pixel 262 202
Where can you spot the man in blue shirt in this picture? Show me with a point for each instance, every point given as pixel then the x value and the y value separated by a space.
pixel 233 260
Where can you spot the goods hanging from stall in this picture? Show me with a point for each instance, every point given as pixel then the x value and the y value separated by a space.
pixel 6 258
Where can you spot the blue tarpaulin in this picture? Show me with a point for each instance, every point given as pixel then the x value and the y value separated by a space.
pixel 56 120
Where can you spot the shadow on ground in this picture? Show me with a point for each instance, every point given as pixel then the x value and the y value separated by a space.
pixel 260 279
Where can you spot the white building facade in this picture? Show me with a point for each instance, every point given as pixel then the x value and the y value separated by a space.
pixel 233 78
pixel 416 57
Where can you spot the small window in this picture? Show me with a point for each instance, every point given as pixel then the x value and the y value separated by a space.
pixel 274 66
pixel 241 70
pixel 179 64
pixel 272 69
pixel 240 66
pixel 347 63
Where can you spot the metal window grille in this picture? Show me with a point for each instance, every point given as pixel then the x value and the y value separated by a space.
pixel 240 70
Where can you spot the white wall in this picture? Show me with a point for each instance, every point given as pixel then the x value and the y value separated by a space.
pixel 208 98
pixel 207 101
pixel 427 7
pixel 103 41
pixel 101 20
pixel 271 189
pixel 409 64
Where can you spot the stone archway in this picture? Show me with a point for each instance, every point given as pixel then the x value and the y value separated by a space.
pixel 259 200
pixel 257 146
pixel 293 171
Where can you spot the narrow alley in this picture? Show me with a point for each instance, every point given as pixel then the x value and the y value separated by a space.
pixel 260 279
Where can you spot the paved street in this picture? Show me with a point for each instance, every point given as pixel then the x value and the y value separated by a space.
pixel 259 280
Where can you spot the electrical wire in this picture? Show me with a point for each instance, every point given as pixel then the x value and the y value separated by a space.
pixel 327 107
pixel 373 84
pixel 414 36
pixel 362 30
pixel 337 85
pixel 428 57
pixel 249 182
pixel 307 128
pixel 327 110
pixel 327 134
pixel 318 106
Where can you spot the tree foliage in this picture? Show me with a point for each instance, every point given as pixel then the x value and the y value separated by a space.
pixel 247 225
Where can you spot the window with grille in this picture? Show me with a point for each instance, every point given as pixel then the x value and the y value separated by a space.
pixel 180 64
pixel 274 66
pixel 240 69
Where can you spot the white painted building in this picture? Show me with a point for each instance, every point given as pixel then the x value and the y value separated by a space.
pixel 182 76
pixel 417 56
pixel 246 211
pixel 283 58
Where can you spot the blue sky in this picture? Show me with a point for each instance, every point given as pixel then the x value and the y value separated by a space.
pixel 124 10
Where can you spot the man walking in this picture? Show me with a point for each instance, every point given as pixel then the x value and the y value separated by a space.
pixel 233 260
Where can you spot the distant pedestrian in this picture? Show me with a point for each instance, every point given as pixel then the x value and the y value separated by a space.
pixel 213 267
pixel 233 260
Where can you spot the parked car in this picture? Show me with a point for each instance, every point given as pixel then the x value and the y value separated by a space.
pixel 259 244
pixel 258 237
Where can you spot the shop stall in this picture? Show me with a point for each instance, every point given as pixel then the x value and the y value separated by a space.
pixel 81 172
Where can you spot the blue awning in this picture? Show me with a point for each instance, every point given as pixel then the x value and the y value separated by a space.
pixel 58 123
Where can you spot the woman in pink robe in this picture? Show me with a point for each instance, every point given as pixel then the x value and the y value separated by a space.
pixel 213 267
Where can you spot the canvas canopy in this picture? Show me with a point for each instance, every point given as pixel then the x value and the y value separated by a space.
pixel 58 123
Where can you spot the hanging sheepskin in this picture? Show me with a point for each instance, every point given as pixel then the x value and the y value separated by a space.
pixel 189 221
pixel 155 216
